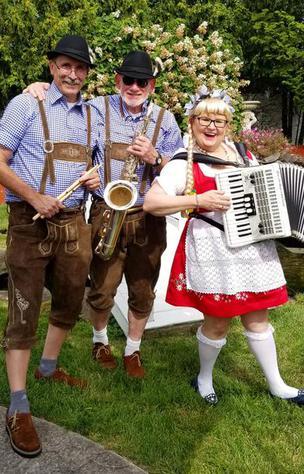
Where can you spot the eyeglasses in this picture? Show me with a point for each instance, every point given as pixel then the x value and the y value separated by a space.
pixel 67 68
pixel 205 122
pixel 128 81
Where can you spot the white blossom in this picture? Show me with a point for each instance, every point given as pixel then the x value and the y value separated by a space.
pixel 203 27
pixel 116 14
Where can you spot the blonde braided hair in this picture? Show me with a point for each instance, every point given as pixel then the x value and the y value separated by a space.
pixel 190 178
pixel 189 173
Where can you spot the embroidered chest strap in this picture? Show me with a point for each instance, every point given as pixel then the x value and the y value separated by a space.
pixel 65 151
pixel 148 168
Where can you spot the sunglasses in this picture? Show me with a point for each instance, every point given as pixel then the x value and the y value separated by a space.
pixel 128 81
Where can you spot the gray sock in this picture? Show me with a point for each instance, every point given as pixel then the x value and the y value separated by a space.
pixel 19 402
pixel 47 367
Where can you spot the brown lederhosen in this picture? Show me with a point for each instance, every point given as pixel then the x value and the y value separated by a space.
pixel 56 252
pixel 139 248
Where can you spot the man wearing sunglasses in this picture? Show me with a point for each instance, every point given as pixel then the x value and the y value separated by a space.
pixel 142 239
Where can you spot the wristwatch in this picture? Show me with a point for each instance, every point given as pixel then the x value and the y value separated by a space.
pixel 158 160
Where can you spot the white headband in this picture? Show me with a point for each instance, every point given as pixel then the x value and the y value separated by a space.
pixel 204 93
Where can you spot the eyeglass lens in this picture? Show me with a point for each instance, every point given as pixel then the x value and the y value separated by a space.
pixel 128 81
pixel 67 68
pixel 205 121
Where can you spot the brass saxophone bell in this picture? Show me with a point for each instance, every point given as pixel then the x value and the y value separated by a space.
pixel 120 194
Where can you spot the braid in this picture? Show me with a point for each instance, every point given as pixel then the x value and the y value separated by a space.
pixel 190 179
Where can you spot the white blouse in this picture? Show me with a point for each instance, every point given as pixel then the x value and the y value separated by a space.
pixel 212 266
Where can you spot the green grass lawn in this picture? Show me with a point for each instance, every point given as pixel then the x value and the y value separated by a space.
pixel 160 423
pixel 3 225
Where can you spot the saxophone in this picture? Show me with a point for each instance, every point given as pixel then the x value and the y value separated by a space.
pixel 119 195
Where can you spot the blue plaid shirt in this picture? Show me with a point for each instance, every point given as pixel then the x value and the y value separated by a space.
pixel 21 132
pixel 123 128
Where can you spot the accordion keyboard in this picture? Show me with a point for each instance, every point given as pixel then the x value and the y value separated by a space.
pixel 258 208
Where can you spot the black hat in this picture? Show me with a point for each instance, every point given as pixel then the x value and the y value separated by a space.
pixel 73 46
pixel 137 64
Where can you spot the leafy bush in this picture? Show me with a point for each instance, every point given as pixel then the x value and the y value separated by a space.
pixel 30 28
pixel 188 61
pixel 278 54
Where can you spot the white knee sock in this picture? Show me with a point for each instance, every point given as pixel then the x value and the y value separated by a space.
pixel 131 346
pixel 262 345
pixel 208 350
pixel 101 336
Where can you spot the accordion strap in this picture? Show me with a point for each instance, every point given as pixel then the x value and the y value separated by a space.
pixel 214 160
pixel 206 159
pixel 208 220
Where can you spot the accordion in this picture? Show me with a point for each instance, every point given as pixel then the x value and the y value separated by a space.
pixel 267 202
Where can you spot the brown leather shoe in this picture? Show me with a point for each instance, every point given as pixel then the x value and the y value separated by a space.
pixel 23 435
pixel 133 365
pixel 61 376
pixel 103 355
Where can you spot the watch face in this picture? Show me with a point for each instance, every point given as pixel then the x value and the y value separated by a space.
pixel 158 160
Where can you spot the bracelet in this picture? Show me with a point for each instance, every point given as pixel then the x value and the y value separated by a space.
pixel 197 203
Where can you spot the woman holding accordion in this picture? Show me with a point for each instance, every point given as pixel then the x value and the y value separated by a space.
pixel 206 274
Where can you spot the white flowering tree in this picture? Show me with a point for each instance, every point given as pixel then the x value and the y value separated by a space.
pixel 188 62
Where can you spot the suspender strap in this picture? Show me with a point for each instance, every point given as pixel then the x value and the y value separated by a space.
pixel 148 167
pixel 108 145
pixel 157 126
pixel 208 220
pixel 89 134
pixel 48 148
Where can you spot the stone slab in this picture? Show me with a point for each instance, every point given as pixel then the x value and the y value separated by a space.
pixel 63 452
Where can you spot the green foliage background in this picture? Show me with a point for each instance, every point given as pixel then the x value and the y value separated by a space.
pixel 267 35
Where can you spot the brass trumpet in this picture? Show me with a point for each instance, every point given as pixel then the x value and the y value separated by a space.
pixel 68 191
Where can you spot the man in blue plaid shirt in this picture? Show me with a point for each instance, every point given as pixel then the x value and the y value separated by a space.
pixel 45 147
pixel 142 239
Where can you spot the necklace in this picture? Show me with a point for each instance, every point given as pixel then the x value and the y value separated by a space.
pixel 228 154
pixel 213 153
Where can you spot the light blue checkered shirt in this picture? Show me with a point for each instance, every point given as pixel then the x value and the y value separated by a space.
pixel 21 132
pixel 123 128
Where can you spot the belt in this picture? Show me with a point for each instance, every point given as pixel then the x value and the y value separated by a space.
pixel 70 210
pixel 27 207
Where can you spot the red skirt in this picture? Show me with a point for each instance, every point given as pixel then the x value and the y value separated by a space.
pixel 218 305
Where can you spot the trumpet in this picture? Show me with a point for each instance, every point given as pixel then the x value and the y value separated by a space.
pixel 68 191
pixel 119 195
